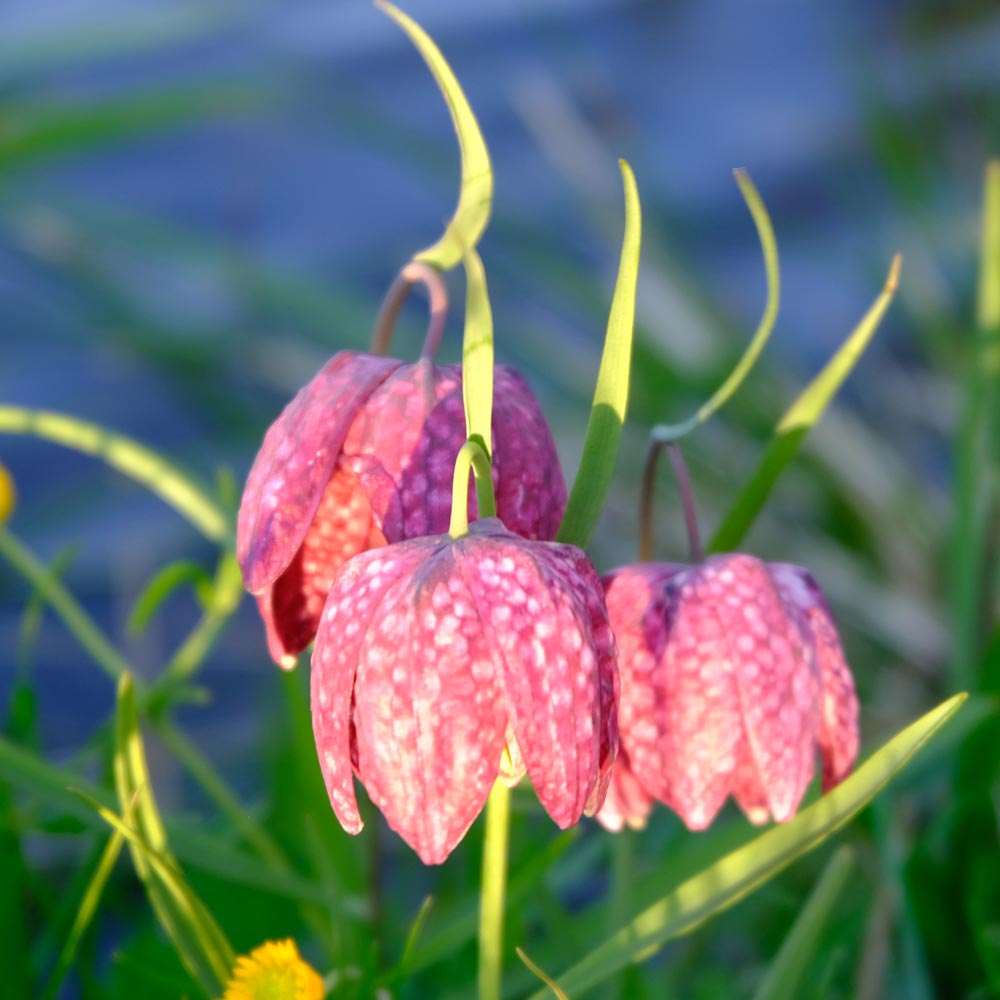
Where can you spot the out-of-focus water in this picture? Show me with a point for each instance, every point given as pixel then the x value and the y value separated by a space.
pixel 179 284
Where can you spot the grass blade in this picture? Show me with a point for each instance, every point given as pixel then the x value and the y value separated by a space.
pixel 784 978
pixel 129 457
pixel 607 415
pixel 736 875
pixel 799 417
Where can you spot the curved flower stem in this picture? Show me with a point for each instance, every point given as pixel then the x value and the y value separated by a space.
pixel 129 457
pixel 470 456
pixel 494 889
pixel 656 445
pixel 437 293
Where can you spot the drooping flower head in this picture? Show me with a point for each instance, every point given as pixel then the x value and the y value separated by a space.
pixel 732 679
pixel 444 663
pixel 362 456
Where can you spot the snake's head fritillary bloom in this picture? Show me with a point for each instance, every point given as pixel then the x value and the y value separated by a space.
pixel 732 679
pixel 362 456
pixel 442 664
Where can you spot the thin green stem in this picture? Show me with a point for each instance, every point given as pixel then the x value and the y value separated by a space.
pixel 656 445
pixel 51 589
pixel 976 485
pixel 437 294
pixel 471 457
pixel 85 913
pixel 129 457
pixel 622 874
pixel 494 889
pixel 227 593
pixel 219 793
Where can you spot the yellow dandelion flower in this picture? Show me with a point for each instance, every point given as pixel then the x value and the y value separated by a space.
pixel 274 971
pixel 8 495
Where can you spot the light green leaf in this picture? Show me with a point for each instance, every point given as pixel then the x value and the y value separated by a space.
pixel 800 416
pixel 476 193
pixel 769 248
pixel 988 303
pixel 192 930
pixel 477 355
pixel 784 978
pixel 607 415
pixel 178 573
pixel 84 914
pixel 146 467
pixel 736 875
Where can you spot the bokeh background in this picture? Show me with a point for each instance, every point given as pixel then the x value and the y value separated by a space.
pixel 199 203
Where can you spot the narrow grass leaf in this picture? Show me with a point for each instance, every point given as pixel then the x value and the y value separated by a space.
pixel 214 855
pixel 199 940
pixel 476 192
pixel 769 248
pixel 733 877
pixel 607 415
pixel 548 980
pixel 85 913
pixel 784 979
pixel 177 574
pixel 141 464
pixel 977 452
pixel 477 355
pixel 799 418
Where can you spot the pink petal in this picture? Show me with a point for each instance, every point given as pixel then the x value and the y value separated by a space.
pixel 627 802
pixel 292 605
pixel 429 715
pixel 296 461
pixel 351 606
pixel 776 676
pixel 838 736
pixel 555 667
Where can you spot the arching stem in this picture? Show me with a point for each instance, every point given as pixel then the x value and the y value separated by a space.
pixel 470 457
pixel 656 445
pixel 414 272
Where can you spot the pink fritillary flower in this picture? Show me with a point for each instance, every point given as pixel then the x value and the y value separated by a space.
pixel 362 456
pixel 732 678
pixel 442 664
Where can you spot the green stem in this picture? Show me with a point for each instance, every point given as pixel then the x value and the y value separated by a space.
pixel 146 467
pixel 494 888
pixel 622 874
pixel 226 595
pixel 976 485
pixel 65 605
pixel 470 457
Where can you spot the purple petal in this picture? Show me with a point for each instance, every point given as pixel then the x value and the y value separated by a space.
pixel 531 491
pixel 429 715
pixel 351 606
pixel 296 461
pixel 627 802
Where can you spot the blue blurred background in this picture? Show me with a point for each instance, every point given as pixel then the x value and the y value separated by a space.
pixel 199 203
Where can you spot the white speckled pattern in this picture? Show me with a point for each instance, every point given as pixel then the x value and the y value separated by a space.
pixel 432 654
pixel 732 678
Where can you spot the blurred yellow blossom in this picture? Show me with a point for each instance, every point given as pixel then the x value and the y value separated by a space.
pixel 8 495
pixel 274 971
